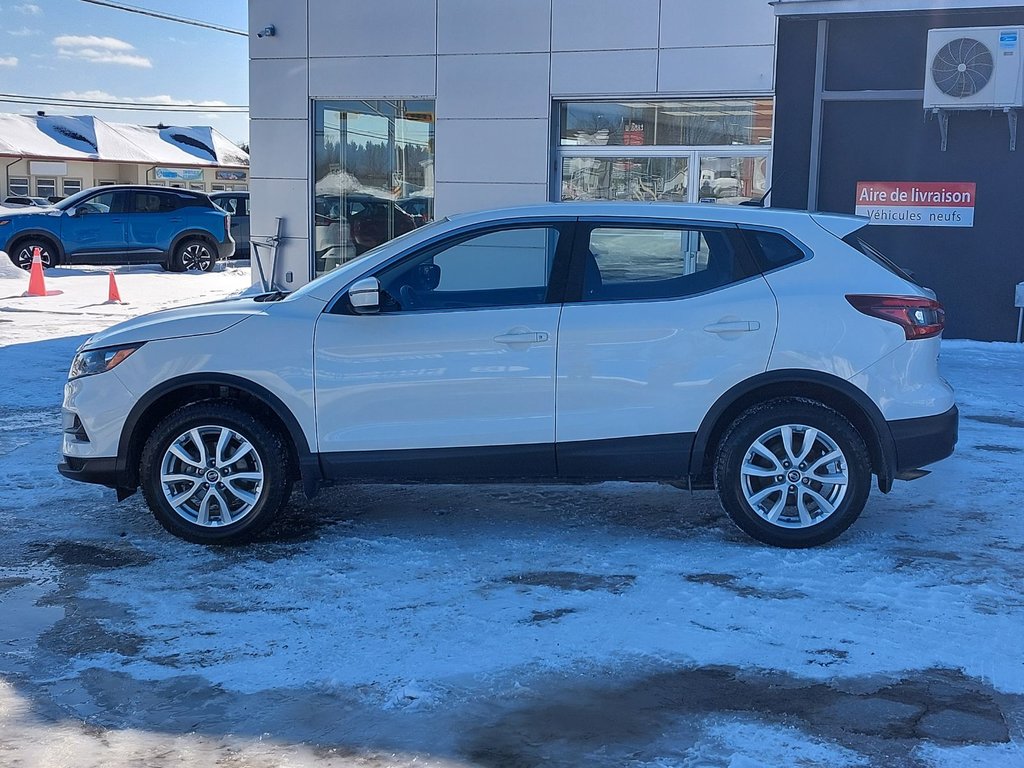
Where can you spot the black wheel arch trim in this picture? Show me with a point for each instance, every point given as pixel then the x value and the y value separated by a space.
pixel 309 462
pixel 881 445
pixel 40 233
pixel 191 234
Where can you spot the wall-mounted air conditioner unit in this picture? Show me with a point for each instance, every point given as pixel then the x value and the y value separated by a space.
pixel 974 68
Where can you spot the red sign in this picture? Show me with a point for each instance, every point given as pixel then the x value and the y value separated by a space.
pixel 917 203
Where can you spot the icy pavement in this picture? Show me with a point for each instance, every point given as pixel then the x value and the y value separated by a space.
pixel 608 625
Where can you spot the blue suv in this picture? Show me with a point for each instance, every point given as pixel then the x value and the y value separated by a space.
pixel 177 228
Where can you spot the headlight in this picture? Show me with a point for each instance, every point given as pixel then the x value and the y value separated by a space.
pixel 100 360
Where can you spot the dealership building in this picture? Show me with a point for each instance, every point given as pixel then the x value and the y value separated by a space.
pixel 370 118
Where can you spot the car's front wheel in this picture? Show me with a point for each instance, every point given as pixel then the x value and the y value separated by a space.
pixel 213 473
pixel 22 255
pixel 793 473
pixel 193 255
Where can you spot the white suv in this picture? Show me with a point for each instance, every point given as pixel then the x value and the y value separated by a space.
pixel 769 354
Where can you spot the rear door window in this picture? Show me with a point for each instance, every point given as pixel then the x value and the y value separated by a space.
pixel 636 262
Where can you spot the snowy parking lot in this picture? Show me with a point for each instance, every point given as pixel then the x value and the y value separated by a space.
pixel 602 625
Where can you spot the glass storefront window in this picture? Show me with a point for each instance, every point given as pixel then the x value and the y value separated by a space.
pixel 694 123
pixel 373 175
pixel 732 179
pixel 625 178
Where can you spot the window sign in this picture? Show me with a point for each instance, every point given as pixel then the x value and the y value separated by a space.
pixel 917 203
pixel 179 174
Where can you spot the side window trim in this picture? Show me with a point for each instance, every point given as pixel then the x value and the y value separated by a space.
pixel 558 282
pixel 586 225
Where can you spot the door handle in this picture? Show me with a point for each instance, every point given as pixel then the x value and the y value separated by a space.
pixel 528 337
pixel 733 326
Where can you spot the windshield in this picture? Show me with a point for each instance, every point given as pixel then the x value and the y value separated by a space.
pixel 878 257
pixel 419 231
pixel 69 202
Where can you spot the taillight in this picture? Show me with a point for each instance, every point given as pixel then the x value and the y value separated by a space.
pixel 227 225
pixel 919 318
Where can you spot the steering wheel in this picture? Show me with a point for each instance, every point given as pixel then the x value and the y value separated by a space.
pixel 408 296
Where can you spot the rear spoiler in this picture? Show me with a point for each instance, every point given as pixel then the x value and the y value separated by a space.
pixel 840 224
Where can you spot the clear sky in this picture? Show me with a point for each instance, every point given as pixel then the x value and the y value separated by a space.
pixel 74 49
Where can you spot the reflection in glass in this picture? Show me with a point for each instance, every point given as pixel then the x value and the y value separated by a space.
pixel 625 178
pixel 732 179
pixel 373 175
pixel 693 123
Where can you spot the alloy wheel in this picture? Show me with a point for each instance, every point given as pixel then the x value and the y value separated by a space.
pixel 794 476
pixel 212 476
pixel 24 257
pixel 197 256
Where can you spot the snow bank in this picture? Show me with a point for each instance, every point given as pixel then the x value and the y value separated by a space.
pixel 7 269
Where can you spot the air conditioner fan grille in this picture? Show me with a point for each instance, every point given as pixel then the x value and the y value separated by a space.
pixel 962 67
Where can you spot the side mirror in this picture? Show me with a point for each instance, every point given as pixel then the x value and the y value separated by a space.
pixel 364 296
pixel 73 212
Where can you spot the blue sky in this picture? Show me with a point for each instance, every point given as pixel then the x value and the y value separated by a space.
pixel 74 49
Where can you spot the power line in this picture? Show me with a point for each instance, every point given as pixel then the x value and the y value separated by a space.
pixel 167 17
pixel 139 106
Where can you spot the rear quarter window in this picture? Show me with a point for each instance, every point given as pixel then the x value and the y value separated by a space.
pixel 773 249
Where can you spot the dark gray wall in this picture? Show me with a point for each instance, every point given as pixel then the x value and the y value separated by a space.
pixel 973 270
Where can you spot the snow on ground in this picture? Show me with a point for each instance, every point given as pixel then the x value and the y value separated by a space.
pixel 607 625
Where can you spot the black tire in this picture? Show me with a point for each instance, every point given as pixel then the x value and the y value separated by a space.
pixel 268 457
pixel 799 503
pixel 21 254
pixel 193 254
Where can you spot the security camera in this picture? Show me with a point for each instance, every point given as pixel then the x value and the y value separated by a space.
pixel 268 31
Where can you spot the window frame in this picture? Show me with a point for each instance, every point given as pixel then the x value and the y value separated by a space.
pixel 587 224
pixel 51 182
pixel 64 186
pixel 557 281
pixel 12 180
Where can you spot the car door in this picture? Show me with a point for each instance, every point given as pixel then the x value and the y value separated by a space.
pixel 666 317
pixel 95 230
pixel 455 375
pixel 154 219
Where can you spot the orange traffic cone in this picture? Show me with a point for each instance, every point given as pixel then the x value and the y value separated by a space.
pixel 36 283
pixel 113 295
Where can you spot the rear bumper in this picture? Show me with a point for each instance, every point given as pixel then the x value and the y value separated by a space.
pixel 925 440
pixel 225 250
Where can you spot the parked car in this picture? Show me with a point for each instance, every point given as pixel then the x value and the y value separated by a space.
pixel 369 220
pixel 420 208
pixel 769 354
pixel 177 228
pixel 23 201
pixel 236 204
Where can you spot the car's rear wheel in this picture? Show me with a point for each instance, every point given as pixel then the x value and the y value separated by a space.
pixel 22 253
pixel 213 473
pixel 193 255
pixel 793 473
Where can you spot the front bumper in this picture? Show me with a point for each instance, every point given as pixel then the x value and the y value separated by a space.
pixel 924 440
pixel 97 471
